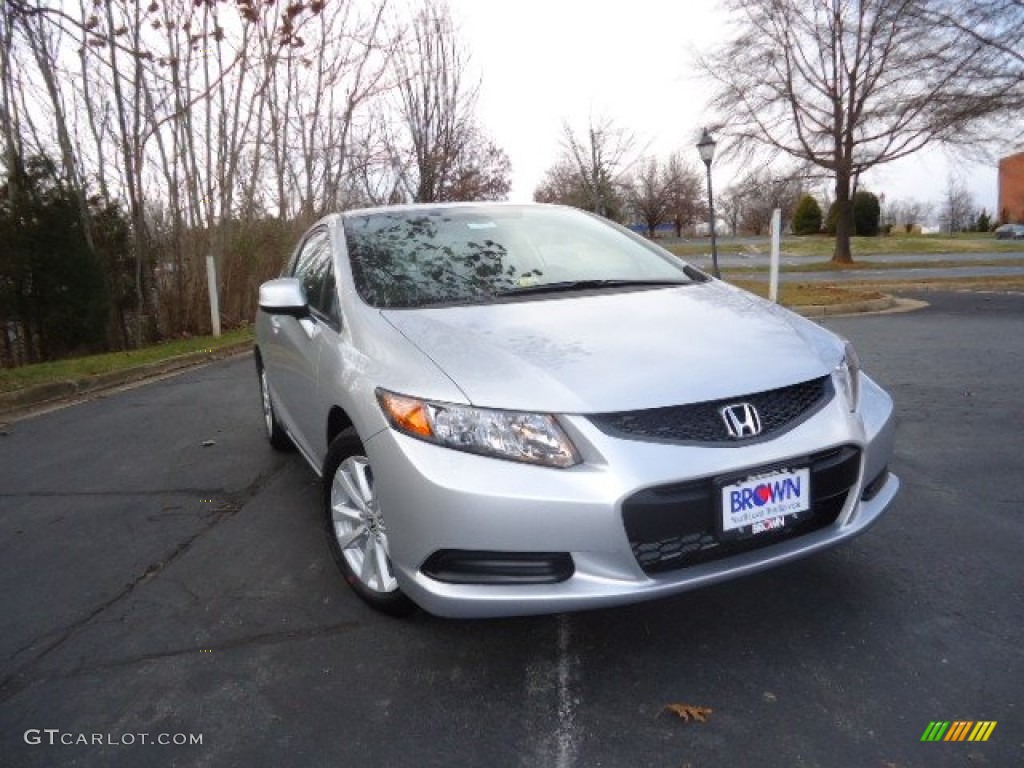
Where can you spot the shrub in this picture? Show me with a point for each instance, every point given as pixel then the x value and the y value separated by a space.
pixel 866 214
pixel 807 216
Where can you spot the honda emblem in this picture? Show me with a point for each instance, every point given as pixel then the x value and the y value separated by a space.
pixel 741 420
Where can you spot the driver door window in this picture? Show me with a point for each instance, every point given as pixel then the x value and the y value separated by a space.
pixel 314 268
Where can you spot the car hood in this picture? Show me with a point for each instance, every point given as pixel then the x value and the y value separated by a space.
pixel 618 351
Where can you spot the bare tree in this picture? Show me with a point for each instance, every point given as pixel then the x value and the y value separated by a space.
pixel 602 158
pixel 998 26
pixel 223 125
pixel 482 171
pixel 957 209
pixel 648 196
pixel 851 85
pixel 562 185
pixel 684 186
pixel 749 202
pixel 906 214
pixel 10 127
pixel 438 151
pixel 592 170
pixel 730 207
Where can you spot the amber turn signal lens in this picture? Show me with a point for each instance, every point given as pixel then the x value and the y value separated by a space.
pixel 406 414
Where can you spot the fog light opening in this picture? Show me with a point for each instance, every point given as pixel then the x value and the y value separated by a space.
pixel 461 566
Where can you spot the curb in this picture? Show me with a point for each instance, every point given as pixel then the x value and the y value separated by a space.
pixel 850 308
pixel 60 391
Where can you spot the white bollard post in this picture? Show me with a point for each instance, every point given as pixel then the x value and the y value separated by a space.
pixel 211 283
pixel 773 280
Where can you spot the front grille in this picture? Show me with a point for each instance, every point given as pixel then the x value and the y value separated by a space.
pixel 673 526
pixel 779 409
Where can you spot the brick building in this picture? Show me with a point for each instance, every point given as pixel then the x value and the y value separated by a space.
pixel 1011 188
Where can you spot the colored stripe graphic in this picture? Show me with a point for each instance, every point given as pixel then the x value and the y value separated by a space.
pixel 935 730
pixel 958 730
pixel 982 730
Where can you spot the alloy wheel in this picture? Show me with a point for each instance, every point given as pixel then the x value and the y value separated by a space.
pixel 358 525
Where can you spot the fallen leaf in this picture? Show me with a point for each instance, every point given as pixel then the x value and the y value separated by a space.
pixel 688 712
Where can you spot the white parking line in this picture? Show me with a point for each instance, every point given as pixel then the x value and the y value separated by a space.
pixel 551 732
pixel 567 734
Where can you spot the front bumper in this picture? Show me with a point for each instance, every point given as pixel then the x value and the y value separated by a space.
pixel 435 499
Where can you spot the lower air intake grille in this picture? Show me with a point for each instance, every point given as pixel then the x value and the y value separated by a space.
pixel 673 526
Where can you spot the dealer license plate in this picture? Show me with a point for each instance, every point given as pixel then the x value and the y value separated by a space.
pixel 762 503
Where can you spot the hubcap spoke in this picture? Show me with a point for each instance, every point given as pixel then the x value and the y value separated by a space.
pixel 359 471
pixel 350 538
pixel 342 513
pixel 383 568
pixel 366 572
pixel 344 483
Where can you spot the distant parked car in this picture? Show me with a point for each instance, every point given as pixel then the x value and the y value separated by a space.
pixel 528 409
pixel 1010 232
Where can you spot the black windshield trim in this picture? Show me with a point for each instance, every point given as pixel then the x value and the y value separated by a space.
pixel 573 286
pixel 514 296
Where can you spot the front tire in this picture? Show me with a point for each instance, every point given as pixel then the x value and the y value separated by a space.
pixel 278 438
pixel 355 528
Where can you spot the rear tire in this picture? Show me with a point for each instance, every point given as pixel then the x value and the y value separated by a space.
pixel 276 434
pixel 355 527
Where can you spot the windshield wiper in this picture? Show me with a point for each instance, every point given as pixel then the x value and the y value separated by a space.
pixel 584 285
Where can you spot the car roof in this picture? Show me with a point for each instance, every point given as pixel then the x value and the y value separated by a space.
pixel 412 207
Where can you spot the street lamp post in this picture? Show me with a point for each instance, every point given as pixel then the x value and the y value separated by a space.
pixel 706 147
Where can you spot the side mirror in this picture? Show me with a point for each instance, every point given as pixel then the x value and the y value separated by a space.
pixel 284 296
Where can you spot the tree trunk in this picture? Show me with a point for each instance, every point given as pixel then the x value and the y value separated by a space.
pixel 40 48
pixel 844 219
pixel 11 134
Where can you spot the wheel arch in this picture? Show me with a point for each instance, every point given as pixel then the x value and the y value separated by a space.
pixel 338 421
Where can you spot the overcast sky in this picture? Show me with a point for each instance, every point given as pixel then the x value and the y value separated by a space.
pixel 546 61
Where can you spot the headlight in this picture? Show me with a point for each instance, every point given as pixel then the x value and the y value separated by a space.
pixel 533 438
pixel 848 373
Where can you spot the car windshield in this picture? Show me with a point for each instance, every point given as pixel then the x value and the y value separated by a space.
pixel 424 257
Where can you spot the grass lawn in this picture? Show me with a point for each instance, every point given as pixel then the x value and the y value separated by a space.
pixel 1013 283
pixel 70 370
pixel 797 295
pixel 829 266
pixel 823 245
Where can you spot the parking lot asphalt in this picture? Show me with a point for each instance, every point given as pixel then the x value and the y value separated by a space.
pixel 165 577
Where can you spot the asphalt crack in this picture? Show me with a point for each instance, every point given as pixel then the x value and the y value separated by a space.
pixel 252 641
pixel 233 503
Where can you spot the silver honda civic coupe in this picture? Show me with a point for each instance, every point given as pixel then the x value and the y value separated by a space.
pixel 523 409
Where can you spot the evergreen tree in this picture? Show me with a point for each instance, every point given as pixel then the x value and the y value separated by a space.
pixel 50 282
pixel 866 214
pixel 807 216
